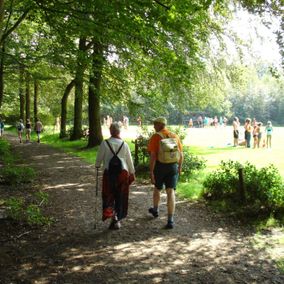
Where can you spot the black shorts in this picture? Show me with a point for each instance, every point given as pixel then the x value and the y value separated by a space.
pixel 236 134
pixel 166 175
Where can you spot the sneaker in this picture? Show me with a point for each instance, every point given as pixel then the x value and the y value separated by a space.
pixel 170 225
pixel 117 225
pixel 114 225
pixel 153 212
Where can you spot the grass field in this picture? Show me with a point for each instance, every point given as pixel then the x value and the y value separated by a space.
pixel 213 144
pixel 216 145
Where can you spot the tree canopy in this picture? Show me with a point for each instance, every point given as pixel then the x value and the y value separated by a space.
pixel 83 58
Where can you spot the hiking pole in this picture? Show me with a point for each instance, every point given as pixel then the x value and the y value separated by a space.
pixel 96 200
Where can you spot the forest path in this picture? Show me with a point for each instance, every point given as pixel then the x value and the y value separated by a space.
pixel 202 248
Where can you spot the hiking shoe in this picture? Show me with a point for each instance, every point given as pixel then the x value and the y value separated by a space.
pixel 170 225
pixel 114 225
pixel 153 212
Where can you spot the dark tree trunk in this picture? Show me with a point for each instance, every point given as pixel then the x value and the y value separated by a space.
pixel 2 75
pixel 28 97
pixel 95 130
pixel 64 108
pixel 21 92
pixel 78 104
pixel 35 101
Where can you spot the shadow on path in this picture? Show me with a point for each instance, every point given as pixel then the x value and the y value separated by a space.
pixel 203 248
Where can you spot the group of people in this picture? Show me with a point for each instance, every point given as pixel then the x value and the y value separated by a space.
pixel 253 130
pixel 166 159
pixel 208 121
pixel 28 130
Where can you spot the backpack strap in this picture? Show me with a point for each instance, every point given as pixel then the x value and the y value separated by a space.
pixel 115 154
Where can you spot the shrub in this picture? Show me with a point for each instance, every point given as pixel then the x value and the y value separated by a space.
pixel 264 188
pixel 17 175
pixel 15 207
pixel 28 212
pixel 191 164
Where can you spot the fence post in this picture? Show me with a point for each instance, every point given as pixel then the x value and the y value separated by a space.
pixel 241 185
pixel 136 161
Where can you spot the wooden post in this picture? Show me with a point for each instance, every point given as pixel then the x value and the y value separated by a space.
pixel 241 185
pixel 136 161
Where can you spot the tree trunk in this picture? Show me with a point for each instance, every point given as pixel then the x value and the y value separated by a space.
pixel 64 109
pixel 21 92
pixel 78 104
pixel 35 101
pixel 95 130
pixel 2 74
pixel 2 12
pixel 28 97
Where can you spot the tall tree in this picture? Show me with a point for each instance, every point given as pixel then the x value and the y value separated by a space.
pixel 36 89
pixel 95 131
pixel 64 99
pixel 28 96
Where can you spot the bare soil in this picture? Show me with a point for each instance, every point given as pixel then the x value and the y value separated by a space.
pixel 202 248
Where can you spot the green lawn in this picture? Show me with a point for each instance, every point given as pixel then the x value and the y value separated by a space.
pixel 211 144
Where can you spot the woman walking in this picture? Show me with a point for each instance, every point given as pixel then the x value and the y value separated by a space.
pixel 115 189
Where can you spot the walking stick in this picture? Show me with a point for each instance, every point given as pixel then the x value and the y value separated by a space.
pixel 96 200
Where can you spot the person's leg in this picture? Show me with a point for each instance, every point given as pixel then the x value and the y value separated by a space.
pixel 269 141
pixel 171 207
pixel 171 199
pixel 156 200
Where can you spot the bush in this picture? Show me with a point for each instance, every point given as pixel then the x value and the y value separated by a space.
pixel 17 175
pixel 30 213
pixel 264 188
pixel 191 164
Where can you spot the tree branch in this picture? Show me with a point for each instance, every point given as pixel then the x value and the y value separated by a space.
pixel 8 32
pixel 163 5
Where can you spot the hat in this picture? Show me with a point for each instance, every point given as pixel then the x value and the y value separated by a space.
pixel 161 120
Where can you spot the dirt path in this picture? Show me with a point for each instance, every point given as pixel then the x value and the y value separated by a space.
pixel 203 248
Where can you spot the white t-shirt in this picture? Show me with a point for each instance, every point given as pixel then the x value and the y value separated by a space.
pixel 104 154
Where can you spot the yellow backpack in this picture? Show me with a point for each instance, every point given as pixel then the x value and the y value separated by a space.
pixel 168 150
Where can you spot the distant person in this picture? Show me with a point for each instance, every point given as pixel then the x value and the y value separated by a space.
pixel 166 159
pixel 268 131
pixel 260 138
pixel 255 134
pixel 2 126
pixel 254 122
pixel 200 121
pixel 236 125
pixel 125 122
pixel 139 121
pixel 225 120
pixel 190 123
pixel 115 189
pixel 56 124
pixel 38 128
pixel 215 121
pixel 248 131
pixel 20 129
pixel 28 130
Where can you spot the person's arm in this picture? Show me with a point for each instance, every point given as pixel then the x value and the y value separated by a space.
pixel 180 162
pixel 153 159
pixel 100 155
pixel 129 160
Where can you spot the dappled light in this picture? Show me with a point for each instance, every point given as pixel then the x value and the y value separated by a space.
pixel 204 247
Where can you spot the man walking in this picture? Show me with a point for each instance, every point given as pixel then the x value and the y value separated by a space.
pixel 166 159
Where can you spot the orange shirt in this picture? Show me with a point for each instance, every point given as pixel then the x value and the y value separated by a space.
pixel 154 142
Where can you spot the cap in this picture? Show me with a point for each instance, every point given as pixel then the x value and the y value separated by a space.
pixel 160 120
